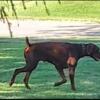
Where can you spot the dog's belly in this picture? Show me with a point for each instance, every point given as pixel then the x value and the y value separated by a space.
pixel 55 62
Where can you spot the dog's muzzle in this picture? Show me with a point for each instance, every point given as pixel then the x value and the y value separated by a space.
pixel 96 56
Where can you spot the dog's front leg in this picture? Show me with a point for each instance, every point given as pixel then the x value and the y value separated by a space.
pixel 72 75
pixel 72 62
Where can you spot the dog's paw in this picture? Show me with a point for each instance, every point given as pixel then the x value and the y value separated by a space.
pixel 56 84
pixel 11 83
pixel 27 86
pixel 73 88
pixel 60 83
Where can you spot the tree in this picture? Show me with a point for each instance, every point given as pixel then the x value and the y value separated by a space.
pixel 4 15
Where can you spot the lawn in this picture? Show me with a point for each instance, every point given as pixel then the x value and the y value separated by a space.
pixel 42 79
pixel 67 10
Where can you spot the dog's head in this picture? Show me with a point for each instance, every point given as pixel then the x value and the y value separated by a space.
pixel 93 51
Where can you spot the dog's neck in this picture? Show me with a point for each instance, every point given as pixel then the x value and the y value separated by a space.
pixel 84 50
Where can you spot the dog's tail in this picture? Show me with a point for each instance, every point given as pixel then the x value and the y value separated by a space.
pixel 27 42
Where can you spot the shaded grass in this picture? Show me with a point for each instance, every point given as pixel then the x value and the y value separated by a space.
pixel 42 79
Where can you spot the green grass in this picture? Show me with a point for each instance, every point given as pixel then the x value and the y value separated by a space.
pixel 42 79
pixel 67 10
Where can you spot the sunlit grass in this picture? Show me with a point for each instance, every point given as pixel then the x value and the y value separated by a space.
pixel 67 10
pixel 42 79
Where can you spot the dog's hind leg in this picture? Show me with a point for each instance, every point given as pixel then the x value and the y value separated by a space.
pixel 27 68
pixel 17 71
pixel 26 78
pixel 61 72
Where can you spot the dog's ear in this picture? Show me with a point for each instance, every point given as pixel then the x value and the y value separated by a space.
pixel 90 48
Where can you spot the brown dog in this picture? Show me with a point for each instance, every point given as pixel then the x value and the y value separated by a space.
pixel 62 55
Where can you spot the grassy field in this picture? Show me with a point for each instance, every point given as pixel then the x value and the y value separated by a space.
pixel 67 10
pixel 42 79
